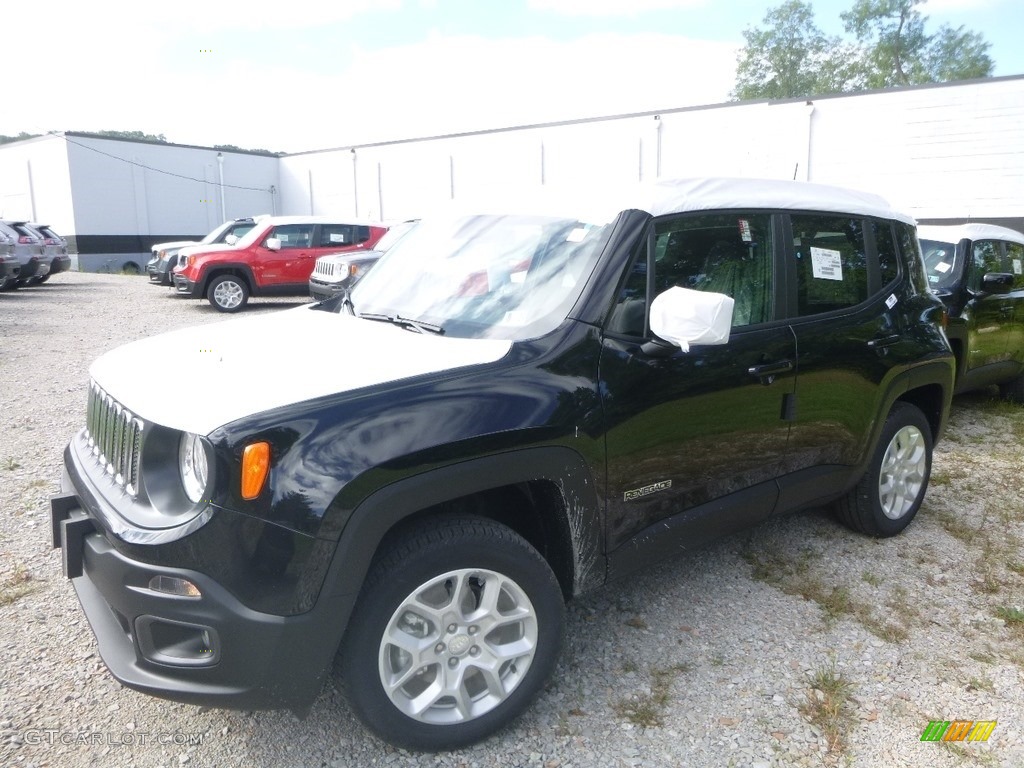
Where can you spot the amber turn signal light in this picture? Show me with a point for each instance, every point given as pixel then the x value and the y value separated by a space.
pixel 255 466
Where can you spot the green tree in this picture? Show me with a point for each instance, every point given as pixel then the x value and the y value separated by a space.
pixel 898 51
pixel 792 58
pixel 20 137
pixel 134 135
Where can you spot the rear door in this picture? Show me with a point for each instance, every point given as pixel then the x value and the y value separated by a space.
pixel 696 438
pixel 843 301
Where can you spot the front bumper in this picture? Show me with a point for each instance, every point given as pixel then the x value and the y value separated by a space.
pixel 211 649
pixel 160 272
pixel 187 287
pixel 320 290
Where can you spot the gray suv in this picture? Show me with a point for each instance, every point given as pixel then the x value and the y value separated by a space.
pixel 27 248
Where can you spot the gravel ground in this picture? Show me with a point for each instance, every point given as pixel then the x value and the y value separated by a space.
pixel 795 644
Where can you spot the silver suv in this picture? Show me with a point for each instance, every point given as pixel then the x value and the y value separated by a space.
pixel 27 248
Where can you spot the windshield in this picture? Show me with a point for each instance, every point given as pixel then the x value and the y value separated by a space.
pixel 494 276
pixel 940 263
pixel 393 235
pixel 215 236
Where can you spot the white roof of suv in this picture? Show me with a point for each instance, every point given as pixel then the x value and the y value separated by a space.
pixel 957 232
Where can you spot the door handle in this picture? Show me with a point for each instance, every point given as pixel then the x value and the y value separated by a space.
pixel 884 341
pixel 771 369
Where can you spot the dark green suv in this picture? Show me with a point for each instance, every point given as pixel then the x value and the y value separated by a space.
pixel 515 405
pixel 978 272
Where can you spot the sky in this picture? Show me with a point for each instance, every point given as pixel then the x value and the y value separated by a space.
pixel 314 74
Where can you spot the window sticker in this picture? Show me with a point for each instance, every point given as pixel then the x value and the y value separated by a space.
pixel 577 235
pixel 745 231
pixel 826 264
pixel 283 238
pixel 933 278
pixel 337 237
pixel 943 267
pixel 891 301
pixel 1018 268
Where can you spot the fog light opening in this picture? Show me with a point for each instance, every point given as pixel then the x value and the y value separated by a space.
pixel 173 585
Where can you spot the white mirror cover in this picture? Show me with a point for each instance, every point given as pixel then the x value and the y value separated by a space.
pixel 273 243
pixel 683 317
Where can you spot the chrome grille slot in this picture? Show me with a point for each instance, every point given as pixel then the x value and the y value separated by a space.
pixel 115 437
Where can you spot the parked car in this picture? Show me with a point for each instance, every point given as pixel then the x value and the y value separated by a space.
pixel 337 272
pixel 27 248
pixel 275 258
pixel 978 272
pixel 9 266
pixel 55 251
pixel 508 410
pixel 165 255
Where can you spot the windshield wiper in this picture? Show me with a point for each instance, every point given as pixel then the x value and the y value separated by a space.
pixel 404 322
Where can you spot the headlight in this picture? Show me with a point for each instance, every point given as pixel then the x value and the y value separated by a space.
pixel 193 466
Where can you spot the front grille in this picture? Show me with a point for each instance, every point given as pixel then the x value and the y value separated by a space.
pixel 115 438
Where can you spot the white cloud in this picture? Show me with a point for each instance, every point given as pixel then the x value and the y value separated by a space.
pixel 113 79
pixel 610 7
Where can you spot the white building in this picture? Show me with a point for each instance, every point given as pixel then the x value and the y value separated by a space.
pixel 947 154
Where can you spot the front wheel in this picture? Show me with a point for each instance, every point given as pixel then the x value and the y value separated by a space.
pixel 888 496
pixel 228 293
pixel 458 626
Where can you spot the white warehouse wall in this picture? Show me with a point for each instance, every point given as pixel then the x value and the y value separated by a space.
pixel 946 152
pixel 35 183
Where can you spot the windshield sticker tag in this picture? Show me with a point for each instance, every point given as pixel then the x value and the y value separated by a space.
pixel 745 231
pixel 337 237
pixel 943 267
pixel 891 301
pixel 1018 268
pixel 647 490
pixel 577 235
pixel 826 264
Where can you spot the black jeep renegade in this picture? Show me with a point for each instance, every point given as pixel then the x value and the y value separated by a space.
pixel 517 404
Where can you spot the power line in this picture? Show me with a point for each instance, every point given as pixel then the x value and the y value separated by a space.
pixel 155 170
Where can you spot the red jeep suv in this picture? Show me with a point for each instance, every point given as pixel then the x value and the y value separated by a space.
pixel 275 258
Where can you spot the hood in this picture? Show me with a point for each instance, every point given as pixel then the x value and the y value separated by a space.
pixel 225 371
pixel 346 256
pixel 176 244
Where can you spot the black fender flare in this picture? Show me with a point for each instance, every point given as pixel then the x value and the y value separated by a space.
pixel 216 270
pixel 380 511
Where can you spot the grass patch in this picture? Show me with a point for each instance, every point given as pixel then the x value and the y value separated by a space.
pixel 11 464
pixel 16 586
pixel 647 709
pixel 1013 616
pixel 871 578
pixel 826 706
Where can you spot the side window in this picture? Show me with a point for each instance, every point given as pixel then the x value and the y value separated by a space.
pixel 831 263
pixel 337 235
pixel 721 253
pixel 986 257
pixel 293 235
pixel 1015 255
pixel 362 234
pixel 888 256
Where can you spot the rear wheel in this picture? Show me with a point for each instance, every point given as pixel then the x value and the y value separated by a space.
pixel 458 626
pixel 888 496
pixel 228 293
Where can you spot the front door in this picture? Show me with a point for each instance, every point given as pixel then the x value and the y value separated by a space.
pixel 695 439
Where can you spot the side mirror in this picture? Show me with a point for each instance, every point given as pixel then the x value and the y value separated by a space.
pixel 997 282
pixel 230 239
pixel 273 243
pixel 683 317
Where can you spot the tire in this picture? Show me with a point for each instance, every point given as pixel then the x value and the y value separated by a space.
pixel 228 293
pixel 40 280
pixel 408 598
pixel 888 496
pixel 131 268
pixel 1013 389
